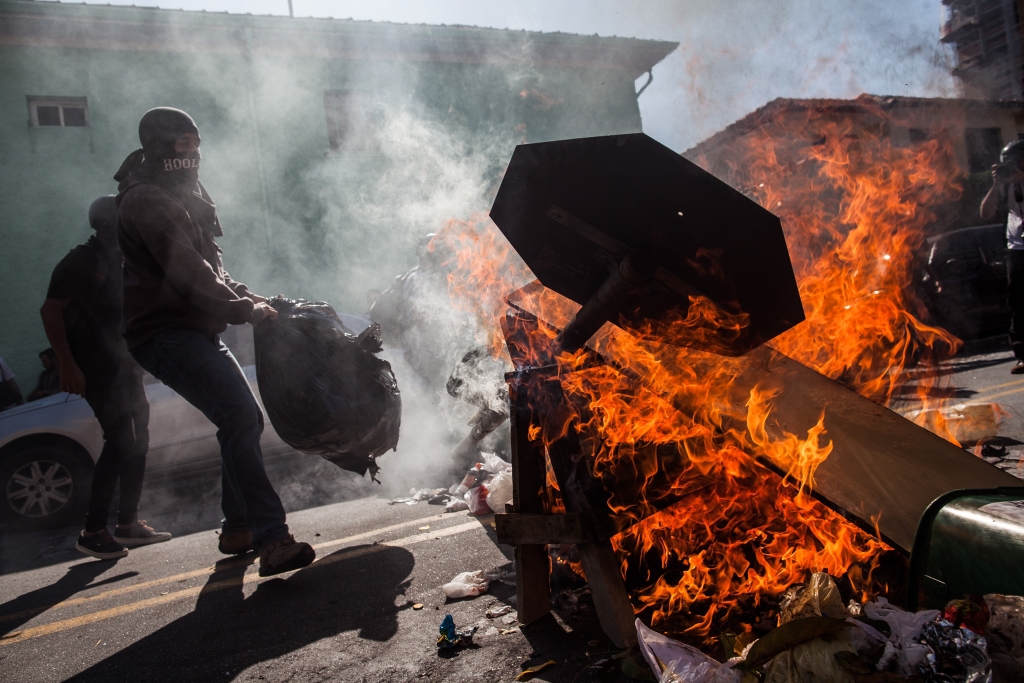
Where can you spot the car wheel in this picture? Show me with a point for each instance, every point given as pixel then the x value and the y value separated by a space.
pixel 43 487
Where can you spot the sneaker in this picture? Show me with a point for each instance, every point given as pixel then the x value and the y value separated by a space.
pixel 235 542
pixel 101 546
pixel 138 534
pixel 1018 369
pixel 285 555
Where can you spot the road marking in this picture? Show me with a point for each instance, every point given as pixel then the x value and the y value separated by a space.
pixel 999 395
pixel 205 571
pixel 102 615
pixel 1000 386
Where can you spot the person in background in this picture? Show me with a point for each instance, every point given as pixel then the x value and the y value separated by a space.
pixel 49 379
pixel 177 300
pixel 10 392
pixel 82 319
pixel 1008 191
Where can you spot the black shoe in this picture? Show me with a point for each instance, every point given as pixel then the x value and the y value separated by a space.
pixel 138 534
pixel 1018 369
pixel 285 555
pixel 101 546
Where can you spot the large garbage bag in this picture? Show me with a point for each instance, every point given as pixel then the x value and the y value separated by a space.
pixel 324 389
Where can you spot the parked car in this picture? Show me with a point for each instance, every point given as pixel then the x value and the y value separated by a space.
pixel 48 448
pixel 963 281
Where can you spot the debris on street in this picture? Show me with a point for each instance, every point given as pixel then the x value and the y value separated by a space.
pixel 451 637
pixel 466 585
pixel 527 674
pixel 497 611
pixel 972 641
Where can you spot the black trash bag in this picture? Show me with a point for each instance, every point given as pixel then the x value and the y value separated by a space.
pixel 324 389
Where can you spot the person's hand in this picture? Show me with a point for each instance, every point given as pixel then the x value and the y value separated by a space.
pixel 263 312
pixel 1003 174
pixel 257 299
pixel 72 379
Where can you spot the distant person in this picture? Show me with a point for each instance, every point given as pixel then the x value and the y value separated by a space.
pixel 177 300
pixel 1008 191
pixel 10 393
pixel 48 383
pixel 82 319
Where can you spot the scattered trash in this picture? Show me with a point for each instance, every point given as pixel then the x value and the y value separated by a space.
pixel 424 528
pixel 418 605
pixel 466 585
pixel 476 499
pixel 510 619
pixel 451 637
pixel 506 631
pixel 957 654
pixel 456 505
pixel 1005 634
pixel 819 597
pixel 675 662
pixel 527 674
pixel 964 421
pixel 499 490
pixel 495 612
pixel 503 574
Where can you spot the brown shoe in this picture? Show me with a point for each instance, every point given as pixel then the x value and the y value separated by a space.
pixel 1018 369
pixel 285 555
pixel 235 542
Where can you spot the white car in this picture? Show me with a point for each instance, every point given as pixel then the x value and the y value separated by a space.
pixel 48 448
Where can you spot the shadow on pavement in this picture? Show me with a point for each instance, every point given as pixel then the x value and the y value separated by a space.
pixel 79 577
pixel 228 632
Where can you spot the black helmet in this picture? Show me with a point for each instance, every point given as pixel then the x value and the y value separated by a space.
pixel 1013 152
pixel 103 213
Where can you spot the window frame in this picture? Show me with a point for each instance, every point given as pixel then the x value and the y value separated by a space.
pixel 34 102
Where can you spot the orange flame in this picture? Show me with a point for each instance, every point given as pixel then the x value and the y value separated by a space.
pixel 854 208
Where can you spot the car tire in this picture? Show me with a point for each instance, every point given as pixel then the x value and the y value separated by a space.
pixel 43 487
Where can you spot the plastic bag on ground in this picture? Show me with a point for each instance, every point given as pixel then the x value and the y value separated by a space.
pixel 818 598
pixel 476 499
pixel 466 585
pixel 903 647
pixel 675 662
pixel 812 661
pixel 499 490
pixel 494 464
pixel 324 389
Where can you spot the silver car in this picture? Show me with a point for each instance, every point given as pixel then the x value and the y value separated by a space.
pixel 48 448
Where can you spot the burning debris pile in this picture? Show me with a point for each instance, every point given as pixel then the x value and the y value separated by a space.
pixel 680 443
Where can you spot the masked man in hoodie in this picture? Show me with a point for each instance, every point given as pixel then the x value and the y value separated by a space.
pixel 82 320
pixel 177 300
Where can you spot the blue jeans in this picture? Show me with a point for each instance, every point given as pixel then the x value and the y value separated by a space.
pixel 202 370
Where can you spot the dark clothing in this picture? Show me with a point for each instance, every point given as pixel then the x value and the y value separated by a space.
pixel 49 381
pixel 173 274
pixel 1015 299
pixel 123 413
pixel 90 277
pixel 202 370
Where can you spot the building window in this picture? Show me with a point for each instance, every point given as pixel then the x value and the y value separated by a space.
pixel 58 112
pixel 353 120
pixel 983 145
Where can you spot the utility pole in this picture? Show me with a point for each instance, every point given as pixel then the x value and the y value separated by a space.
pixel 291 13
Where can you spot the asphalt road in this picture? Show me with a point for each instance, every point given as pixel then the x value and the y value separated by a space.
pixel 180 611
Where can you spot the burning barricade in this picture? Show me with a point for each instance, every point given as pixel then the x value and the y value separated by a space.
pixel 695 469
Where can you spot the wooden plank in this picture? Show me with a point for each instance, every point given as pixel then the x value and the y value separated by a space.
pixel 607 588
pixel 533 569
pixel 527 529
